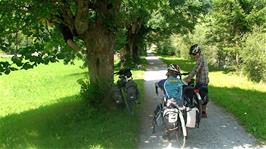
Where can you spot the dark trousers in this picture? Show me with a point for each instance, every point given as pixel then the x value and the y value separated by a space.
pixel 203 93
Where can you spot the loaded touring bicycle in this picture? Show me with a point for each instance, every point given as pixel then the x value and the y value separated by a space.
pixel 174 117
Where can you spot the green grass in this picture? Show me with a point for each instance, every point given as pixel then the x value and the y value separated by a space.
pixel 245 99
pixel 42 108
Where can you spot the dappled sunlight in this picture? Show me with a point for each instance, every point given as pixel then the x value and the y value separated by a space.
pixel 97 146
pixel 152 58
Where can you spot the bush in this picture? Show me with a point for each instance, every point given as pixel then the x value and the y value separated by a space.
pixel 164 46
pixel 89 93
pixel 180 45
pixel 253 54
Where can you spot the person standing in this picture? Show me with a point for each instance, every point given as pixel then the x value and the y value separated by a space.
pixel 201 71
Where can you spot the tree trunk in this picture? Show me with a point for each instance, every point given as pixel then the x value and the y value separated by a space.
pixel 101 62
pixel 98 36
pixel 132 40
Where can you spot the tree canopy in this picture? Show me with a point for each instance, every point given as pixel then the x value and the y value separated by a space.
pixel 37 32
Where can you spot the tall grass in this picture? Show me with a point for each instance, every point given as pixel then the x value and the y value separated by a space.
pixel 42 108
pixel 244 98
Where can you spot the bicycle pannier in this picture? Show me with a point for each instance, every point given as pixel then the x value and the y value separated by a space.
pixel 132 90
pixel 192 117
pixel 117 95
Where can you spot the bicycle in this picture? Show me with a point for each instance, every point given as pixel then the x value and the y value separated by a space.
pixel 176 117
pixel 172 116
pixel 174 121
pixel 125 91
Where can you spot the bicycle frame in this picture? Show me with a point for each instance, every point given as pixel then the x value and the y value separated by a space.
pixel 121 84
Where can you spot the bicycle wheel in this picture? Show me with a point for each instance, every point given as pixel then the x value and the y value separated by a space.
pixel 129 103
pixel 131 106
pixel 125 99
pixel 180 138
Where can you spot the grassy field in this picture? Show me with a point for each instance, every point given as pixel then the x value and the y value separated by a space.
pixel 245 99
pixel 41 108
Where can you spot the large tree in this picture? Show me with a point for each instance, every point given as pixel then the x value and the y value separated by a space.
pixel 87 26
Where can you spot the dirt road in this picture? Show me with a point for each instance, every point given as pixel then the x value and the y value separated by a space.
pixel 219 130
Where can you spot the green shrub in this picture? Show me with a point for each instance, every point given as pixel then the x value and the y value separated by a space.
pixel 253 55
pixel 180 45
pixel 165 47
pixel 89 93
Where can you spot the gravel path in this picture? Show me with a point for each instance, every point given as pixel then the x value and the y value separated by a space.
pixel 219 130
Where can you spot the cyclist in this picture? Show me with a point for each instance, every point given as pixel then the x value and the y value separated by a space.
pixel 172 86
pixel 201 72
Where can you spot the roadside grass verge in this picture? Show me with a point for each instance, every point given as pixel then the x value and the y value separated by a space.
pixel 245 99
pixel 42 108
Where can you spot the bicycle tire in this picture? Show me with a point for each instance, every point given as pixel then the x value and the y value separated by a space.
pixel 180 138
pixel 125 99
pixel 131 106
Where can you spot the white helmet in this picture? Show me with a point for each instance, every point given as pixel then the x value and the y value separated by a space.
pixel 174 67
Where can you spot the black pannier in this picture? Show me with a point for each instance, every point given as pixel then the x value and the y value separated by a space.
pixel 132 90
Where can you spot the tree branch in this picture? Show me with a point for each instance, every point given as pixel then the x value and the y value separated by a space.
pixel 73 45
pixel 68 17
pixel 81 20
pixel 69 38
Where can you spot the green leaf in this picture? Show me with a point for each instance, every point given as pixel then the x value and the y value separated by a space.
pixel 7 71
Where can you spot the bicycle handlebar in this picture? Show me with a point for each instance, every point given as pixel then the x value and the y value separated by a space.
pixel 184 74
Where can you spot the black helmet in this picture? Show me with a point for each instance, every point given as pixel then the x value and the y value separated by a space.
pixel 194 49
pixel 125 72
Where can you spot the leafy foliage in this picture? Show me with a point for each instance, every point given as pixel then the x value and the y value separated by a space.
pixel 254 55
pixel 27 33
pixel 176 18
pixel 227 34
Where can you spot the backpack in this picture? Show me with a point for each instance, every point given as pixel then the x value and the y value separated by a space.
pixel 173 88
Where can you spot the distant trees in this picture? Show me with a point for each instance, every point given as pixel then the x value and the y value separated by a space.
pixel 229 32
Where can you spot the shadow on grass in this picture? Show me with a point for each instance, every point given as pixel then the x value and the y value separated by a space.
pixel 79 74
pixel 68 124
pixel 247 105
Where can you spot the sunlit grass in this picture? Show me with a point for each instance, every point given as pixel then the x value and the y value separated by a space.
pixel 220 79
pixel 28 89
pixel 244 98
pixel 42 108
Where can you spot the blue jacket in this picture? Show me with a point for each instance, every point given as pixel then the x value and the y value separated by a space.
pixel 172 87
